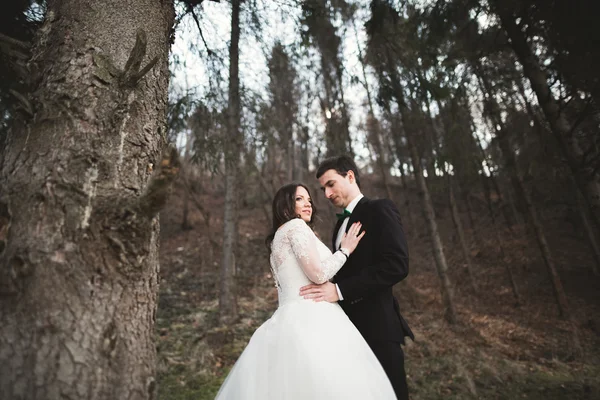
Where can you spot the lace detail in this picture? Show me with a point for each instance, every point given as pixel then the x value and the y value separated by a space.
pixel 295 240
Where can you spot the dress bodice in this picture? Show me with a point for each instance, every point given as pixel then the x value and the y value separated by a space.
pixel 299 258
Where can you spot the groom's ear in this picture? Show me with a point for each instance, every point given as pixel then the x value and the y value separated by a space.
pixel 350 176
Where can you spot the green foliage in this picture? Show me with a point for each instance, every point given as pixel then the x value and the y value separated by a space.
pixel 19 21
pixel 208 127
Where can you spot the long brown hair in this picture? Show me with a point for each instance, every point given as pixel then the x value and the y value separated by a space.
pixel 284 208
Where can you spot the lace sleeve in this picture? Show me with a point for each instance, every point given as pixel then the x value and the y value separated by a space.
pixel 304 247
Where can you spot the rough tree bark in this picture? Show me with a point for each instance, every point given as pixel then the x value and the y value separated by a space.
pixel 79 263
pixel 227 295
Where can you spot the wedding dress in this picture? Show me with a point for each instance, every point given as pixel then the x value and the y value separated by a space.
pixel 307 350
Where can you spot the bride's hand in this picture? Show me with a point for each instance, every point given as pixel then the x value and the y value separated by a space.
pixel 352 237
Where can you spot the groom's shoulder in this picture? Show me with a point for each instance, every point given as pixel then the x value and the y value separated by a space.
pixel 383 209
pixel 382 204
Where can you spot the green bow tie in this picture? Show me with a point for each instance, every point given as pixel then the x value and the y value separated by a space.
pixel 343 215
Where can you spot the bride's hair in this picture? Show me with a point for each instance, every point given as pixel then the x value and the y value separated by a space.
pixel 284 208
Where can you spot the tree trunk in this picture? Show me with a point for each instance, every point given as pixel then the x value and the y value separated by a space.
pixel 397 140
pixel 436 134
pixel 438 249
pixel 466 195
pixel 227 295
pixel 589 231
pixel 461 232
pixel 290 152
pixel 405 192
pixel 511 165
pixel 582 205
pixel 517 180
pixel 372 123
pixel 429 213
pixel 185 222
pixel 521 191
pixel 79 265
pixel 494 181
pixel 586 177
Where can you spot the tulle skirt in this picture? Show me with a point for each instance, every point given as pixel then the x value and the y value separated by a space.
pixel 307 350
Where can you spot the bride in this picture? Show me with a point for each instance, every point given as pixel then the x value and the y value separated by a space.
pixel 306 350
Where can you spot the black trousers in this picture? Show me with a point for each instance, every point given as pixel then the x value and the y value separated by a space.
pixel 391 358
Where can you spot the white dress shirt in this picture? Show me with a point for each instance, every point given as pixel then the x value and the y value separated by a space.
pixel 340 233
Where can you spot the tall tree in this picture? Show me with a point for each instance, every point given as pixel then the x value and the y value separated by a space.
pixel 233 147
pixel 284 105
pixel 384 26
pixel 79 265
pixel 317 17
pixel 494 114
pixel 587 175
pixel 374 131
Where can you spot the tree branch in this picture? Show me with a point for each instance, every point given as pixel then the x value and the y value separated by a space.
pixel 14 42
pixel 191 9
pixel 159 186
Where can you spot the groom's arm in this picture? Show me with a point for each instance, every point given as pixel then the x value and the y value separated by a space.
pixel 391 265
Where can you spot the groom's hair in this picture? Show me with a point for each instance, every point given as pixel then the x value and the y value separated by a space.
pixel 341 164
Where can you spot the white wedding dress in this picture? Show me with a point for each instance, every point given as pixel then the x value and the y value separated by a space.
pixel 307 350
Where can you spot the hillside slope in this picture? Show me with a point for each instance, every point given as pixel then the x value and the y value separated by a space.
pixel 500 350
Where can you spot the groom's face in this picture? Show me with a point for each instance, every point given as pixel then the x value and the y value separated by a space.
pixel 337 188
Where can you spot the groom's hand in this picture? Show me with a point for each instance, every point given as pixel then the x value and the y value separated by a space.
pixel 325 292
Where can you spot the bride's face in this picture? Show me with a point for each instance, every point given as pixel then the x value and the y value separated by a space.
pixel 303 204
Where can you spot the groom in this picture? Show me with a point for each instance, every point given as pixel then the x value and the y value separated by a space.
pixel 363 287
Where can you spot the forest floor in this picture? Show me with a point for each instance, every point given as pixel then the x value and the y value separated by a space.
pixel 499 350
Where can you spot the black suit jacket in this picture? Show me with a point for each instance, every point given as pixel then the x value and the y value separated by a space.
pixel 379 262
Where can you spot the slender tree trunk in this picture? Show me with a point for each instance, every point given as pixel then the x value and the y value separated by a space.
pixel 503 206
pixel 460 231
pixel 586 177
pixel 521 191
pixel 516 214
pixel 429 213
pixel 405 190
pixel 582 205
pixel 185 222
pixel 79 265
pixel 374 124
pixel 436 135
pixel 467 200
pixel 397 139
pixel 559 293
pixel 290 159
pixel 438 249
pixel 344 110
pixel 587 225
pixel 517 180
pixel 227 296
pixel 505 259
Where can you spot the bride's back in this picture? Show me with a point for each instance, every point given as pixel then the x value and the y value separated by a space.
pixel 287 271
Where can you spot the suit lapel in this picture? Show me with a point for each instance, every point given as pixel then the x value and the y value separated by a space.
pixel 351 220
pixel 355 216
pixel 335 232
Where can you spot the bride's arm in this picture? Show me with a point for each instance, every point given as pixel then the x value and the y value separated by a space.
pixel 304 247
